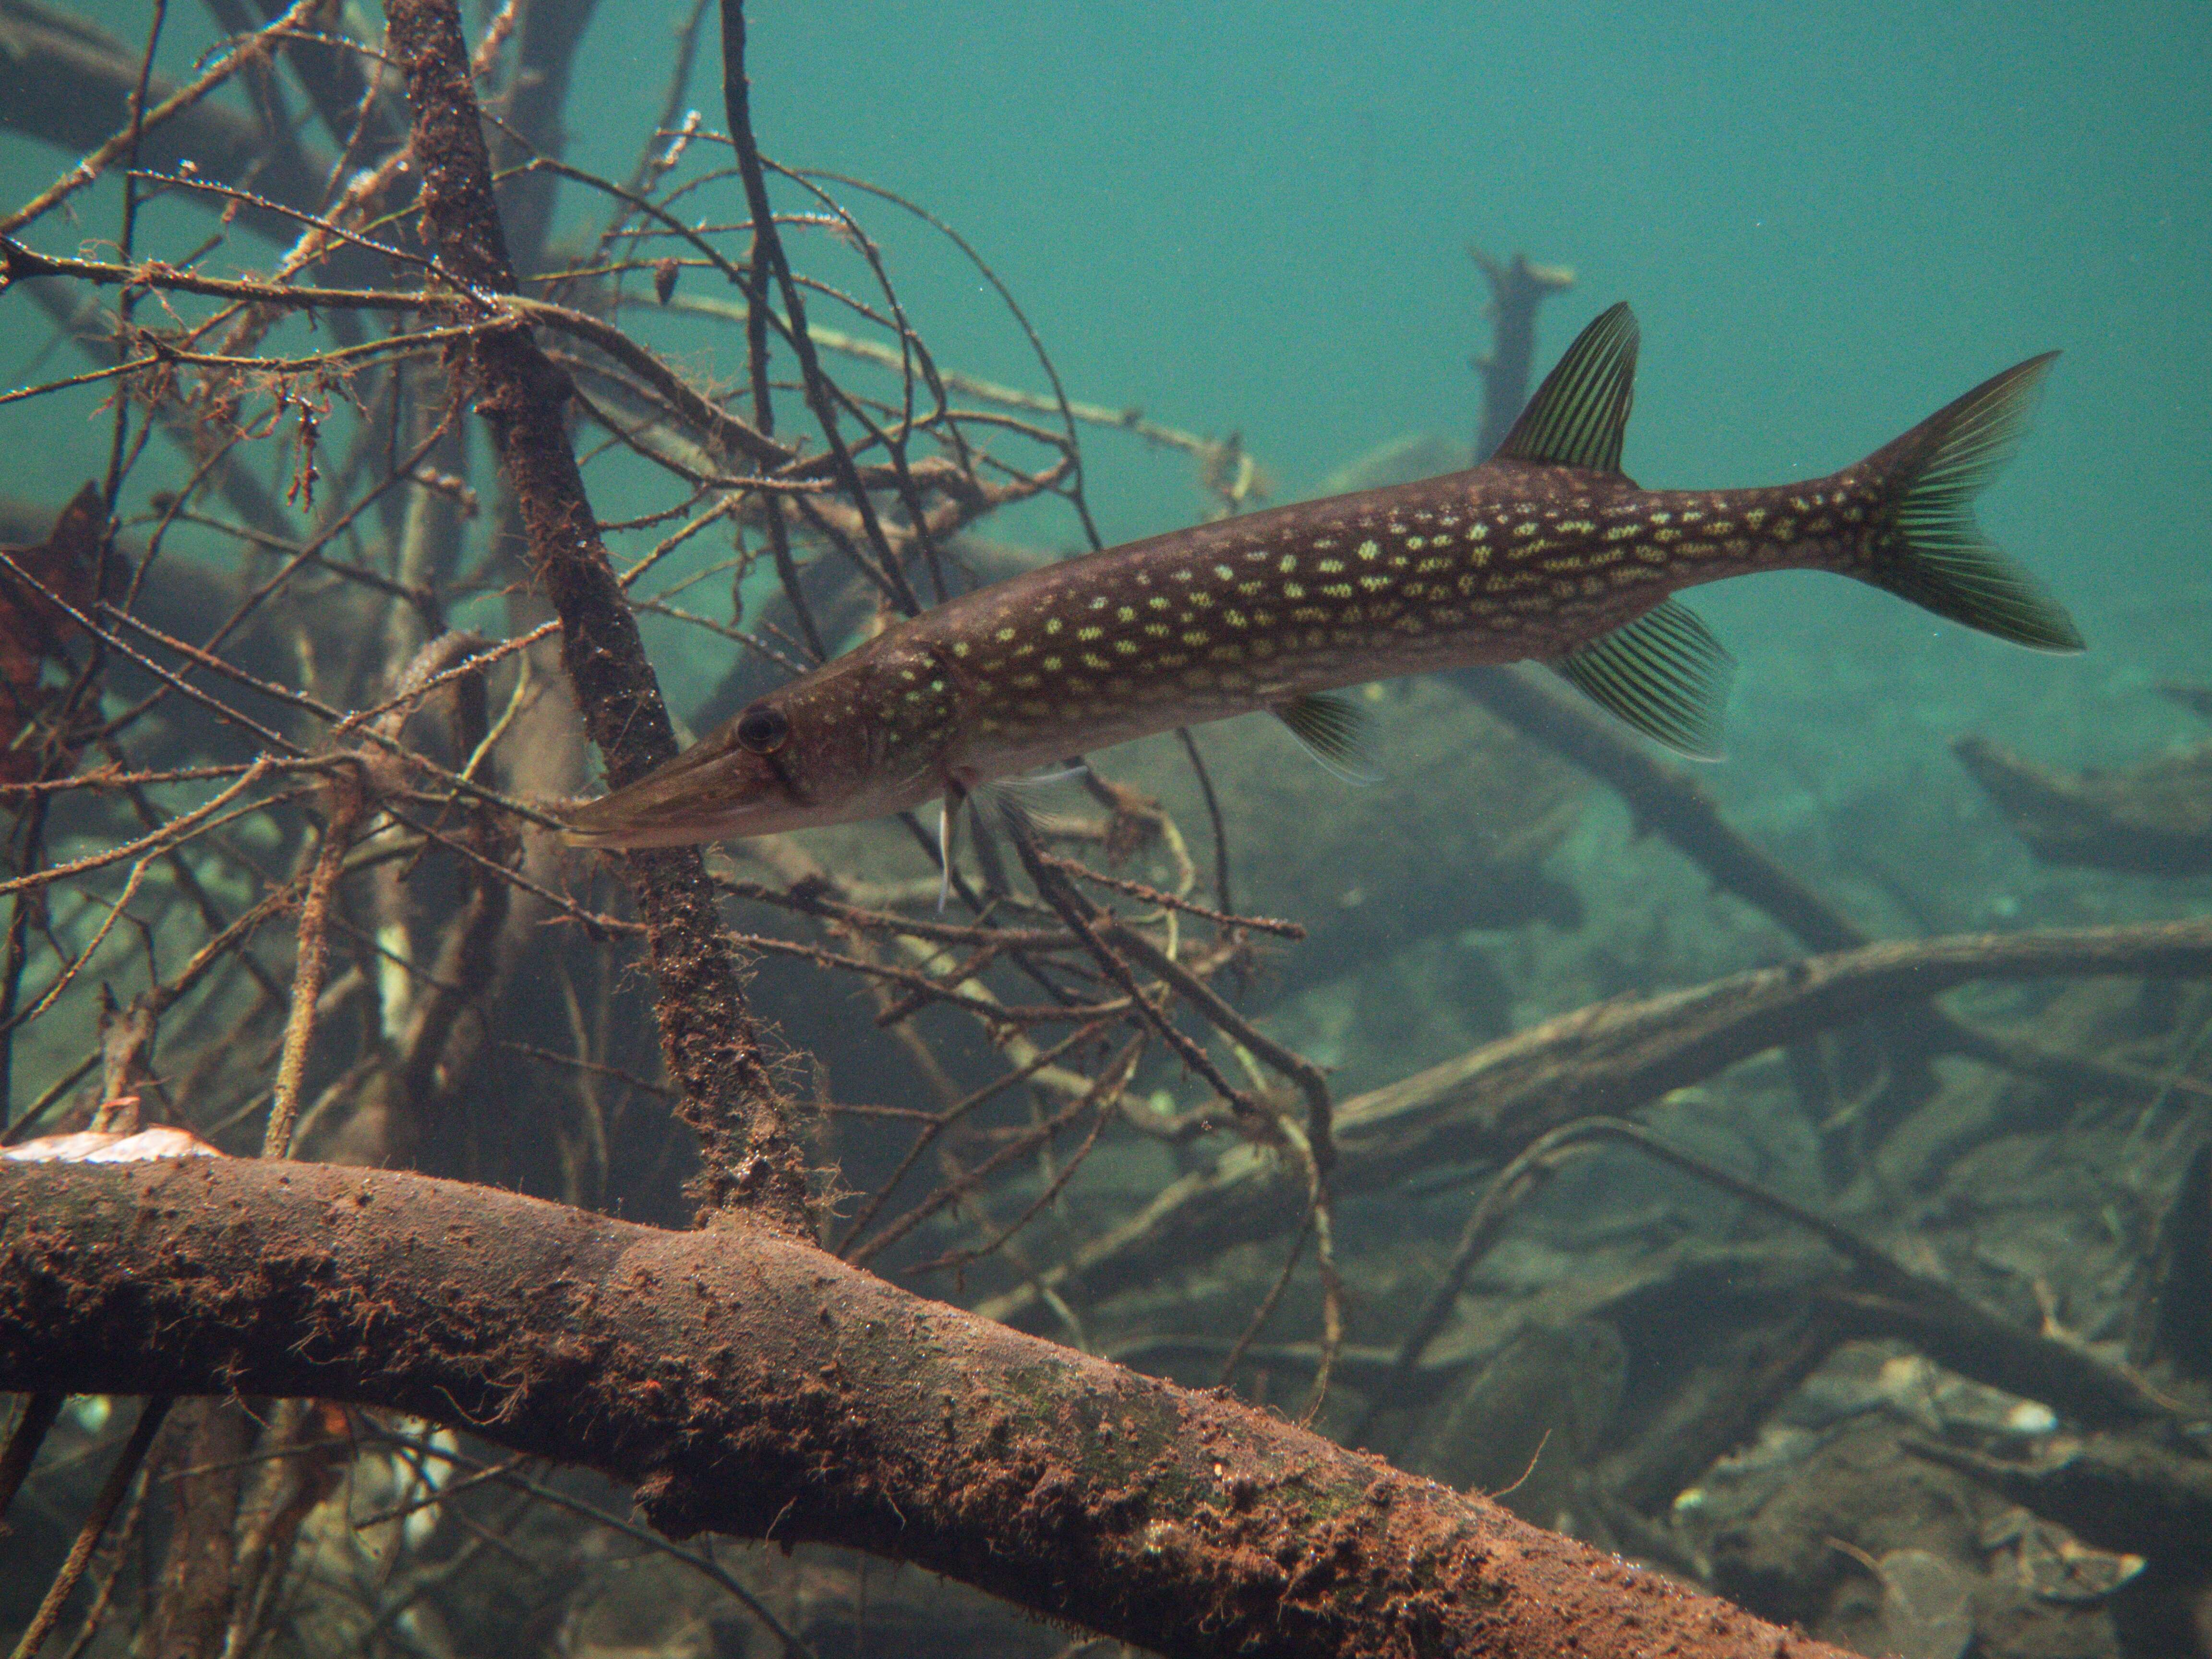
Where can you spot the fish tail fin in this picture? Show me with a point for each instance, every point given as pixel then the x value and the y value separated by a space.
pixel 1925 545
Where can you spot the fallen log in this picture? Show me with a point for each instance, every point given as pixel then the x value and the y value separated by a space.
pixel 2155 819
pixel 2121 1493
pixel 750 1383
pixel 1603 1060
pixel 2128 1495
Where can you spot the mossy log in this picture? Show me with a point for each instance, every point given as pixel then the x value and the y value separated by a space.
pixel 751 1384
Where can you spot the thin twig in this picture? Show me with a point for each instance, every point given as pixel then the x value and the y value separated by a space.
pixel 85 172
pixel 769 256
pixel 111 1492
pixel 1078 914
pixel 349 801
pixel 168 834
pixel 794 1647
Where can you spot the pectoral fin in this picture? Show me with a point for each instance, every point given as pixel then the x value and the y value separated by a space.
pixel 1664 673
pixel 948 836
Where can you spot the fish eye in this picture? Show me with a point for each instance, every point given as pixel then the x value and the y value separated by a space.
pixel 763 730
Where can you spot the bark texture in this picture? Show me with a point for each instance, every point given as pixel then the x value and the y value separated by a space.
pixel 754 1385
pixel 748 1153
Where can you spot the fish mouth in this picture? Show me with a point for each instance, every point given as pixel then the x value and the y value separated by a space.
pixel 695 797
pixel 621 832
pixel 611 824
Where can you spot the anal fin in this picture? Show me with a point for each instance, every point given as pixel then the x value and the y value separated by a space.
pixel 1664 673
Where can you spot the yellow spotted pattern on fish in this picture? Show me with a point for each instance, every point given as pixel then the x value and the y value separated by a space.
pixel 1547 551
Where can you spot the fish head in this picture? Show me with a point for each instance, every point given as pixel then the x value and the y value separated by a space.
pixel 866 734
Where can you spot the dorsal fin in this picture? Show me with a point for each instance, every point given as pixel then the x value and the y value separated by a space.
pixel 1578 415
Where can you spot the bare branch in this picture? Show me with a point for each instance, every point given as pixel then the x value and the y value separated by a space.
pixel 729 1099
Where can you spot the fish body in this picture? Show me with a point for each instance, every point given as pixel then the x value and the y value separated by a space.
pixel 1547 551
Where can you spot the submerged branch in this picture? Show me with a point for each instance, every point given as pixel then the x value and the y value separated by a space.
pixel 1662 800
pixel 65 82
pixel 2154 819
pixel 1517 292
pixel 748 1150
pixel 756 1386
pixel 1131 419
pixel 1603 1060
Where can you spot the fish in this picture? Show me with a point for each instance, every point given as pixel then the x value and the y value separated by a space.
pixel 1547 551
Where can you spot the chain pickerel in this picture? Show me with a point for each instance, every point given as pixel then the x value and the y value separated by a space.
pixel 1545 552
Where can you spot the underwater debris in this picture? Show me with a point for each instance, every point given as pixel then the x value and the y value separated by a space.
pixel 2154 819
pixel 32 627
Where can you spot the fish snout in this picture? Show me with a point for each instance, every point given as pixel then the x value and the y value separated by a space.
pixel 716 790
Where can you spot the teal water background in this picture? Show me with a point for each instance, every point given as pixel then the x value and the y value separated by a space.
pixel 1831 220
pixel 1253 218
